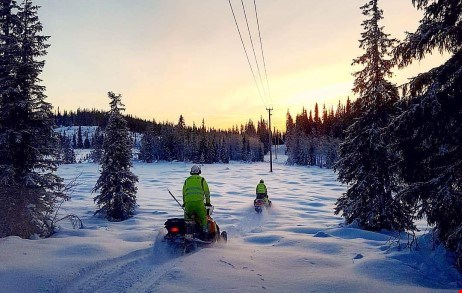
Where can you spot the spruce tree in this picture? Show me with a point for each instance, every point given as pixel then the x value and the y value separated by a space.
pixel 79 138
pixel 86 142
pixel 364 162
pixel 147 145
pixel 244 149
pixel 180 139
pixel 116 184
pixel 429 132
pixel 67 151
pixel 224 152
pixel 97 145
pixel 29 147
pixel 203 148
pixel 74 141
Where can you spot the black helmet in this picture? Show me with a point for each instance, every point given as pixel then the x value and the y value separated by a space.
pixel 195 170
pixel 261 181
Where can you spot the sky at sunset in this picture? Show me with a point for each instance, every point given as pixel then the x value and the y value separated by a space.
pixel 172 57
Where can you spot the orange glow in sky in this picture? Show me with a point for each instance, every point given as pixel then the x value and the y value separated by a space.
pixel 172 57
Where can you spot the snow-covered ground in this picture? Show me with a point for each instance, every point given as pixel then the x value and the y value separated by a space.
pixel 298 245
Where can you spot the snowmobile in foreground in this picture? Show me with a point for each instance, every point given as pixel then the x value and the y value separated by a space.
pixel 260 203
pixel 188 234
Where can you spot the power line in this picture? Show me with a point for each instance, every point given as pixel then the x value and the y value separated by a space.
pixel 262 53
pixel 253 49
pixel 246 54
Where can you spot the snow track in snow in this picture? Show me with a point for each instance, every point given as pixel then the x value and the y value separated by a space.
pixel 137 271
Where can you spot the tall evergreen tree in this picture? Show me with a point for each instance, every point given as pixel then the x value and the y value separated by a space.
pixel 29 148
pixel 244 149
pixel 224 153
pixel 68 154
pixel 117 183
pixel 97 145
pixel 74 141
pixel 364 158
pixel 79 138
pixel 316 120
pixel 263 134
pixel 148 145
pixel 180 138
pixel 429 132
pixel 290 129
pixel 86 142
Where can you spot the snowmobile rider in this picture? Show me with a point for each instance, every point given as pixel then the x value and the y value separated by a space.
pixel 195 192
pixel 262 192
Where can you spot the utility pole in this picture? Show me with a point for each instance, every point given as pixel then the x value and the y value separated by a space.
pixel 276 144
pixel 270 139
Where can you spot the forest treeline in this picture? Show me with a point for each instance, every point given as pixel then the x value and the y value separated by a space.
pixel 168 141
pixel 313 139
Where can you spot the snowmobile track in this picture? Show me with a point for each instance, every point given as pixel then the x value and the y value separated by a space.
pixel 138 271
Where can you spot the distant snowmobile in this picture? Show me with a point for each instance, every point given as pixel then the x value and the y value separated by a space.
pixel 188 234
pixel 259 204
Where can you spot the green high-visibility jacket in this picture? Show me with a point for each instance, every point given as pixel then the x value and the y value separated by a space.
pixel 195 188
pixel 261 188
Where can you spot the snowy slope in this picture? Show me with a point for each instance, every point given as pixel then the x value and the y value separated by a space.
pixel 297 246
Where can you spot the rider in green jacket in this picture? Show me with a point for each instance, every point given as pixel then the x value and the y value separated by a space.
pixel 262 192
pixel 196 195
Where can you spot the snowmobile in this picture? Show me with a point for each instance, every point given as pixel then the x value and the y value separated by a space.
pixel 188 234
pixel 260 203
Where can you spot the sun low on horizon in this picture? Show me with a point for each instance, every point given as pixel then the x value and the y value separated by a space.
pixel 179 57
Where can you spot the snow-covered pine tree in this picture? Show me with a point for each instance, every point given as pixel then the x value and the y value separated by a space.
pixel 167 149
pixel 193 146
pixel 68 154
pixel 97 145
pixel 213 153
pixel 29 148
pixel 248 154
pixel 365 161
pixel 180 139
pixel 79 138
pixel 86 142
pixel 116 184
pixel 203 147
pixel 429 131
pixel 263 134
pixel 74 141
pixel 316 120
pixel 224 152
pixel 244 149
pixel 147 145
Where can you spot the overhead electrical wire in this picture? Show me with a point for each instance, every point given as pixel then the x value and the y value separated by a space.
pixel 245 50
pixel 254 54
pixel 262 52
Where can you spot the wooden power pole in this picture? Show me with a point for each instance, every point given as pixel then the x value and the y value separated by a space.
pixel 276 142
pixel 270 139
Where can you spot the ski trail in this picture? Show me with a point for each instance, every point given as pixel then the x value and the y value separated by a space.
pixel 135 272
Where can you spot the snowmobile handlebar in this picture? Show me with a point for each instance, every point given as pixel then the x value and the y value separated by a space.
pixel 181 206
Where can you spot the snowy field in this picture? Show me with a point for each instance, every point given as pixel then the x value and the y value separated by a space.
pixel 297 246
